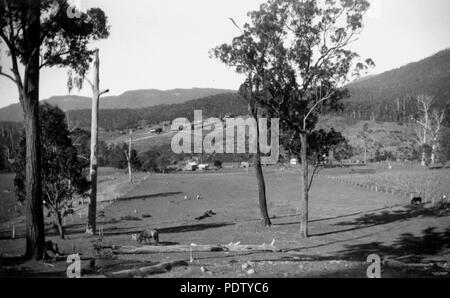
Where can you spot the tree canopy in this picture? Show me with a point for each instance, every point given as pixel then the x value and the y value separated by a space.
pixel 62 41
pixel 61 171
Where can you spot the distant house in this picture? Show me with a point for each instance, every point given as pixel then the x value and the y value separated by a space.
pixel 203 167
pixel 191 166
pixel 245 164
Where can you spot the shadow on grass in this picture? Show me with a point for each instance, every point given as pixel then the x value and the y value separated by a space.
pixel 79 229
pixel 194 228
pixel 407 247
pixel 369 220
pixel 168 230
pixel 144 197
pixel 324 219
pixel 387 217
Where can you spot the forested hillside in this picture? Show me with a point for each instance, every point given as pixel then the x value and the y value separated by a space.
pixel 211 106
pixel 10 133
pixel 390 96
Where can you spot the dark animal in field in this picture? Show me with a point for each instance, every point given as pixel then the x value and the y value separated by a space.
pixel 417 201
pixel 147 236
pixel 206 215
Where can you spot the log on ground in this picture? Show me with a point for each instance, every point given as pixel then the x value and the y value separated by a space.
pixel 144 271
pixel 232 247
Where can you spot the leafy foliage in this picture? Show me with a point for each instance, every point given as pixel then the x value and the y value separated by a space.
pixel 343 151
pixel 10 133
pixel 63 41
pixel 62 172
pixel 322 143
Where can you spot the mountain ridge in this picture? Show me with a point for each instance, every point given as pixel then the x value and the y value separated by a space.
pixel 131 99
pixel 372 97
pixel 428 75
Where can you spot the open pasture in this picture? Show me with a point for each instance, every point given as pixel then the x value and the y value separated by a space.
pixel 347 223
pixel 431 185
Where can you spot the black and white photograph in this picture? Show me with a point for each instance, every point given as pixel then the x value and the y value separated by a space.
pixel 225 140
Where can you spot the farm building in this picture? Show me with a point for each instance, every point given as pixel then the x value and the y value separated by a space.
pixel 245 164
pixel 203 167
pixel 191 166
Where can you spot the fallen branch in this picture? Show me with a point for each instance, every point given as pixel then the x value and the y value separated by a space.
pixel 264 247
pixel 232 247
pixel 144 271
pixel 136 250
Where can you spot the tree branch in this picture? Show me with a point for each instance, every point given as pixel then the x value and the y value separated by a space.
pixel 8 76
pixel 15 67
pixel 314 107
pixel 313 174
pixel 103 92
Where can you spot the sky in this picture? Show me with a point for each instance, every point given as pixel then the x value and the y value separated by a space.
pixel 164 44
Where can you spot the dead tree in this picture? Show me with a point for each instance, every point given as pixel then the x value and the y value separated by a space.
pixel 423 123
pixel 128 156
pixel 436 124
pixel 96 93
pixel 429 125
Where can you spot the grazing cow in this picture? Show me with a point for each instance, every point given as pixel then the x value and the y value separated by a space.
pixel 416 201
pixel 147 235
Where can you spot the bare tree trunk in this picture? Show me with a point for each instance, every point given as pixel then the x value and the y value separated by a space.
pixel 59 225
pixel 424 141
pixel 365 154
pixel 304 186
pixel 35 234
pixel 92 214
pixel 93 172
pixel 130 177
pixel 424 154
pixel 433 154
pixel 265 219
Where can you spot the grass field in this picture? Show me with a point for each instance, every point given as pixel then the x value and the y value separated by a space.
pixel 347 223
pixel 406 181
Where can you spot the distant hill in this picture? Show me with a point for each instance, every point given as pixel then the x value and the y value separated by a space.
pixel 119 119
pixel 430 75
pixel 390 96
pixel 135 99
